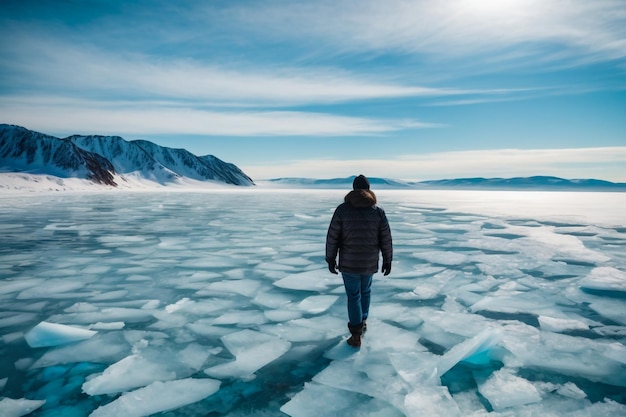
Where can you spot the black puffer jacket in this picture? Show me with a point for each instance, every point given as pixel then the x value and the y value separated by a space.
pixel 358 231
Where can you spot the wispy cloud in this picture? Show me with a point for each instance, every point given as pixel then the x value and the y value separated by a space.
pixel 125 118
pixel 97 73
pixel 457 28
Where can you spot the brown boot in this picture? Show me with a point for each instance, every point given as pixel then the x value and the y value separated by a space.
pixel 355 338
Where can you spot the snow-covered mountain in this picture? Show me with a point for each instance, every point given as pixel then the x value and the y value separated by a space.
pixel 518 183
pixel 22 150
pixel 101 158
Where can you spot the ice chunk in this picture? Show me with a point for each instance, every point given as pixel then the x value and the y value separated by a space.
pixel 9 286
pixel 396 313
pixel 568 355
pixel 442 257
pixel 102 348
pixel 431 402
pixel 158 397
pixel 529 302
pixel 116 325
pixel 111 295
pixel 246 287
pixel 194 356
pixel 308 330
pixel 466 325
pixel 559 246
pixel 12 337
pixel 54 334
pixel 372 375
pixel 415 368
pixel 275 267
pixel 271 299
pixel 317 280
pixel 474 350
pixel 241 317
pixel 107 314
pixel 17 408
pixel 503 389
pixel 53 288
pixel 205 327
pixel 282 315
pixel 316 304
pixel 131 372
pixel 319 400
pixel 16 319
pixel 297 261
pixel 554 324
pixel 390 338
pixel 605 278
pixel 252 351
pixel 571 390
pixel 613 309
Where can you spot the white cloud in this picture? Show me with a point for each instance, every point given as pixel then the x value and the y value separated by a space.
pixel 607 163
pixel 119 118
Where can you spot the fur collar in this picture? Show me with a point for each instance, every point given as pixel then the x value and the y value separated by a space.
pixel 361 198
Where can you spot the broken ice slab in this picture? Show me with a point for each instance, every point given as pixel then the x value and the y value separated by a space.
pixel 373 378
pixel 431 402
pixel 316 400
pixel 605 279
pixel 504 389
pixel 594 360
pixel 10 407
pixel 317 304
pixel 316 280
pixel 131 372
pixel 415 368
pixel 318 328
pixel 252 351
pixel 612 309
pixel 158 397
pixel 559 325
pixel 102 348
pixel 147 364
pixel 54 334
pixel 475 350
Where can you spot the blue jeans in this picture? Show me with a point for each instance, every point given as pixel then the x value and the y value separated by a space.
pixel 358 290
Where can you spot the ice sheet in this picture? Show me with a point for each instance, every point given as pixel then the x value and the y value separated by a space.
pixel 489 291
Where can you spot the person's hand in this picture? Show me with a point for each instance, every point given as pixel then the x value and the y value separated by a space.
pixel 332 266
pixel 386 269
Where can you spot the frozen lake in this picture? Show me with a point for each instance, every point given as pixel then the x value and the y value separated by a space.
pixel 220 304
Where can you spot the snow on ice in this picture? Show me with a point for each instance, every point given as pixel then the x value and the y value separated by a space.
pixel 220 303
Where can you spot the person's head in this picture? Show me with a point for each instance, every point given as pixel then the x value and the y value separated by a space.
pixel 361 183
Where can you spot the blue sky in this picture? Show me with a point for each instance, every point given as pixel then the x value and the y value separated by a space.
pixel 406 89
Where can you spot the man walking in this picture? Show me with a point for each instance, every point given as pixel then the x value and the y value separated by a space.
pixel 358 231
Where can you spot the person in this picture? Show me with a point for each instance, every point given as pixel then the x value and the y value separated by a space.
pixel 359 231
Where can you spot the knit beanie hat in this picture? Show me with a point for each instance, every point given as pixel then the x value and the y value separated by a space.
pixel 361 183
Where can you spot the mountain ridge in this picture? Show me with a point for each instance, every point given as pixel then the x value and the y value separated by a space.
pixel 100 159
pixel 538 182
